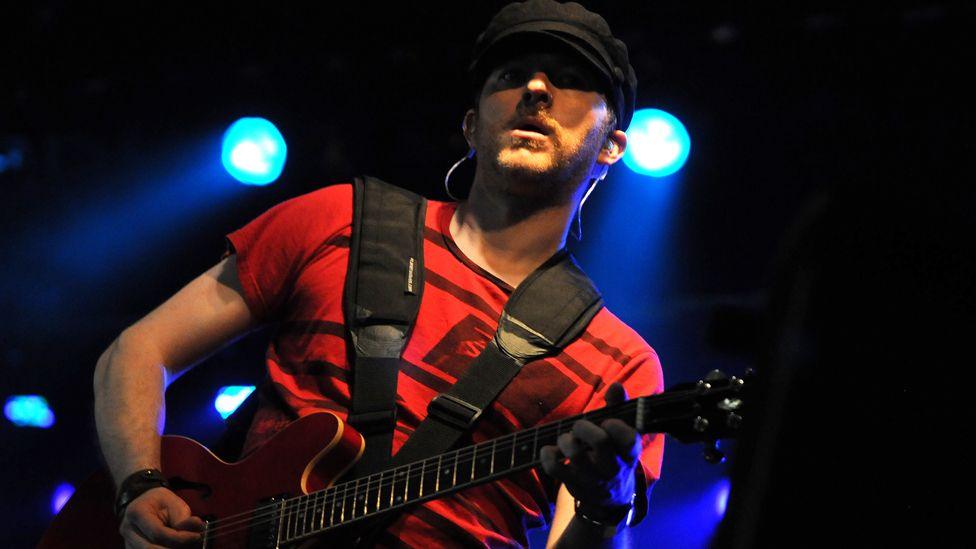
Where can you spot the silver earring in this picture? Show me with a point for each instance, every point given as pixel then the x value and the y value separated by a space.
pixel 447 178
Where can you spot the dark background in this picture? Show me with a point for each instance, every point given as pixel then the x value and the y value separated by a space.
pixel 110 106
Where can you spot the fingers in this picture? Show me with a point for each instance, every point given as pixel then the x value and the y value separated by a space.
pixel 593 449
pixel 624 439
pixel 159 518
pixel 616 394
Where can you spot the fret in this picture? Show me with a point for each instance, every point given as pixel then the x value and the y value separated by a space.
pixel 365 497
pixel 454 470
pixel 512 462
pixel 416 486
pixel 292 518
pixel 374 493
pixel 302 512
pixel 349 500
pixel 342 502
pixel 480 461
pixel 406 489
pixel 437 473
pixel 385 494
pixel 336 514
pixel 494 445
pixel 308 514
pixel 429 475
pixel 446 475
pixel 322 506
pixel 357 499
pixel 399 486
pixel 281 521
pixel 469 469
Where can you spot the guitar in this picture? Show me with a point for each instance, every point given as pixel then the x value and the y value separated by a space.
pixel 286 492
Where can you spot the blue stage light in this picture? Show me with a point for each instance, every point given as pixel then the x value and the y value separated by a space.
pixel 229 398
pixel 61 495
pixel 657 143
pixel 29 411
pixel 722 497
pixel 253 151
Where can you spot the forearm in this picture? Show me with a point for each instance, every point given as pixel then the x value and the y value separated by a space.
pixel 585 535
pixel 129 383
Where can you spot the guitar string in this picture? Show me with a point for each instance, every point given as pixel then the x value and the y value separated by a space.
pixel 290 508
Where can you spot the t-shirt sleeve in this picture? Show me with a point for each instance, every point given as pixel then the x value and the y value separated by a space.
pixel 640 376
pixel 274 248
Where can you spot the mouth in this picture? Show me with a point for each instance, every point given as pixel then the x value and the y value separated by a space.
pixel 530 129
pixel 525 133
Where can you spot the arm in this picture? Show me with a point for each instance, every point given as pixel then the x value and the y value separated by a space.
pixel 132 374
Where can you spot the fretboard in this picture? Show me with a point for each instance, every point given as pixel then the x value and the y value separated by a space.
pixel 309 515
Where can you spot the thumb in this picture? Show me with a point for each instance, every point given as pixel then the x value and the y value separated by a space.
pixel 178 515
pixel 616 394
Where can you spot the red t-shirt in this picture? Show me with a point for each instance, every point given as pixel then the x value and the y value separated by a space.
pixel 292 265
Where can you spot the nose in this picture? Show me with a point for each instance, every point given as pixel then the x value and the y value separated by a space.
pixel 537 90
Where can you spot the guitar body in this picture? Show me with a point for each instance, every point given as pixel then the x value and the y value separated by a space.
pixel 308 455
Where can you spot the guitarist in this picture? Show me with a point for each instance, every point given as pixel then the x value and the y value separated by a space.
pixel 553 92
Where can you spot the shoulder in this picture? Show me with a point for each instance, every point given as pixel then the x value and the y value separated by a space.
pixel 612 334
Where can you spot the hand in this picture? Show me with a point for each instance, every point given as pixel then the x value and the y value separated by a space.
pixel 596 463
pixel 159 518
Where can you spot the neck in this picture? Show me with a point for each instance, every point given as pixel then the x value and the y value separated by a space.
pixel 510 236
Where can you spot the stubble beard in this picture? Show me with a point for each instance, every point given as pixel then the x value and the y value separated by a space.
pixel 544 171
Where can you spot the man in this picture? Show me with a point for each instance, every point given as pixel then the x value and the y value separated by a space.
pixel 553 91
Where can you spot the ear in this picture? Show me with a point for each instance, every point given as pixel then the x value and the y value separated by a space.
pixel 468 126
pixel 613 151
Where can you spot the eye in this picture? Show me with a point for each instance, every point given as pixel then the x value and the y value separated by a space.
pixel 509 75
pixel 571 79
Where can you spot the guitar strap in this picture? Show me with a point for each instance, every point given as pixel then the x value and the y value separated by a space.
pixel 384 283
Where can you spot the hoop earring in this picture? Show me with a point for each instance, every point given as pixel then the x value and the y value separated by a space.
pixel 447 178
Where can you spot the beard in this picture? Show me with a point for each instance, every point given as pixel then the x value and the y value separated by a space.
pixel 548 171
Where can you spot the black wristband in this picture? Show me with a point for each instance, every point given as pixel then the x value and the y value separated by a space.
pixel 135 485
pixel 610 520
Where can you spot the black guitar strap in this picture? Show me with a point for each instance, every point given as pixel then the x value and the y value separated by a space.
pixel 384 283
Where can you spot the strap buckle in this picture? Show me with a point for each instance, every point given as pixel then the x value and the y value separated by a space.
pixel 453 411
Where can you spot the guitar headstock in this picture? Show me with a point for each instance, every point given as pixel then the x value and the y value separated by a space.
pixel 703 411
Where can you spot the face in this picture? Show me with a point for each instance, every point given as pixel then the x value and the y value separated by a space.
pixel 540 124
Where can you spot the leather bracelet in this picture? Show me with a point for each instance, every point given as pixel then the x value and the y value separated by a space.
pixel 610 521
pixel 135 485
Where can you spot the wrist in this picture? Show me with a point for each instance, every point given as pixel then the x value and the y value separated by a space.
pixel 610 520
pixel 137 484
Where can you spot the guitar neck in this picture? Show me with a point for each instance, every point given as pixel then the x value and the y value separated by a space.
pixel 308 515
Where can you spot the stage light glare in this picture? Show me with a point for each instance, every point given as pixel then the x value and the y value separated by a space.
pixel 230 397
pixel 61 495
pixel 29 411
pixel 657 143
pixel 722 497
pixel 254 151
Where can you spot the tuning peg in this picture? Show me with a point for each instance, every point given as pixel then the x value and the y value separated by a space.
pixel 712 454
pixel 716 375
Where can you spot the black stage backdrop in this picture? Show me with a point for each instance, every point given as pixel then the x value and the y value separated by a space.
pixel 823 230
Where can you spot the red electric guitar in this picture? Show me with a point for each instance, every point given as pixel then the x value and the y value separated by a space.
pixel 285 493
